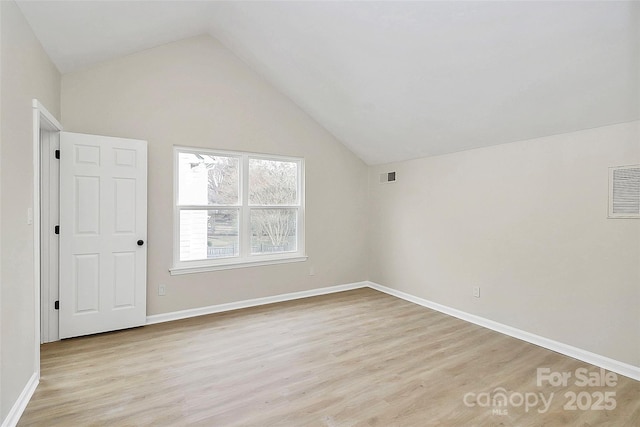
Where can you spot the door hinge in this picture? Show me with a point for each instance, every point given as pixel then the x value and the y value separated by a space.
pixel 56 229
pixel 57 153
pixel 56 305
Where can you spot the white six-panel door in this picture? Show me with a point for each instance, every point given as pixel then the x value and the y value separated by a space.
pixel 103 233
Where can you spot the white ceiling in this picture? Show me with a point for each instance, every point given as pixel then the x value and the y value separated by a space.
pixel 394 80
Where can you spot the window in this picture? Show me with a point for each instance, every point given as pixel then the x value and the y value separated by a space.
pixel 236 209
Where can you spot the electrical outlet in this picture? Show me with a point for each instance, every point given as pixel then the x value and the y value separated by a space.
pixel 312 271
pixel 476 291
pixel 162 290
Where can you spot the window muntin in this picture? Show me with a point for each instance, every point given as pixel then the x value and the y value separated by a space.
pixel 236 208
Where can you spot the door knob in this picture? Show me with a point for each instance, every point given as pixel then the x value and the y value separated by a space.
pixel 140 242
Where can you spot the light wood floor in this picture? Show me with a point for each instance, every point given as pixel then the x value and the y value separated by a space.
pixel 357 358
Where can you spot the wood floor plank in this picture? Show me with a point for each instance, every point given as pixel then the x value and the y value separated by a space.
pixel 357 358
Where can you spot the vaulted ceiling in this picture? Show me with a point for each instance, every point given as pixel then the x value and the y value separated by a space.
pixel 394 80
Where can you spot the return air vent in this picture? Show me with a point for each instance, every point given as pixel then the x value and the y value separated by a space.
pixel 624 192
pixel 388 177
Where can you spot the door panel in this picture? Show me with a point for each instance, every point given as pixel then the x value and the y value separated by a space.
pixel 125 205
pixel 87 205
pixel 86 282
pixel 125 279
pixel 103 213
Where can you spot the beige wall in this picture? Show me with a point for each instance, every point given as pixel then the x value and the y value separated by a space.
pixel 527 222
pixel 196 93
pixel 26 73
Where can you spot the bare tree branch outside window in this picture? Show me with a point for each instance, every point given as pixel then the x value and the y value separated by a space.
pixel 273 183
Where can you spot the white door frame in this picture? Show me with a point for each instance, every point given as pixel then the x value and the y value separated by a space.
pixel 49 248
pixel 42 121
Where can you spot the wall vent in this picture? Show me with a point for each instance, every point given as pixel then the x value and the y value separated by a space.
pixel 388 177
pixel 624 192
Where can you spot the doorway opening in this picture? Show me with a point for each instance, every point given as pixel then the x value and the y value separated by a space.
pixel 46 139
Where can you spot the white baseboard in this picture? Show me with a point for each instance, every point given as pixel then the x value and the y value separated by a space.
pixel 613 365
pixel 621 368
pixel 183 314
pixel 21 404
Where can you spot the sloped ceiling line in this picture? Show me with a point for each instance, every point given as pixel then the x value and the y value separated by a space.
pixel 394 80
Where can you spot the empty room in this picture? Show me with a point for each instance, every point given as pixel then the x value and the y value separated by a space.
pixel 319 213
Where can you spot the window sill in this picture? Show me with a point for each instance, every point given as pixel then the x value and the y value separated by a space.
pixel 232 265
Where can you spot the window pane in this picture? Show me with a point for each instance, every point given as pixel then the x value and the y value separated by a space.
pixel 208 234
pixel 273 230
pixel 207 180
pixel 273 182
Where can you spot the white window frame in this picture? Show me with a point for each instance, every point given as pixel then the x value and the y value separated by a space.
pixel 245 257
